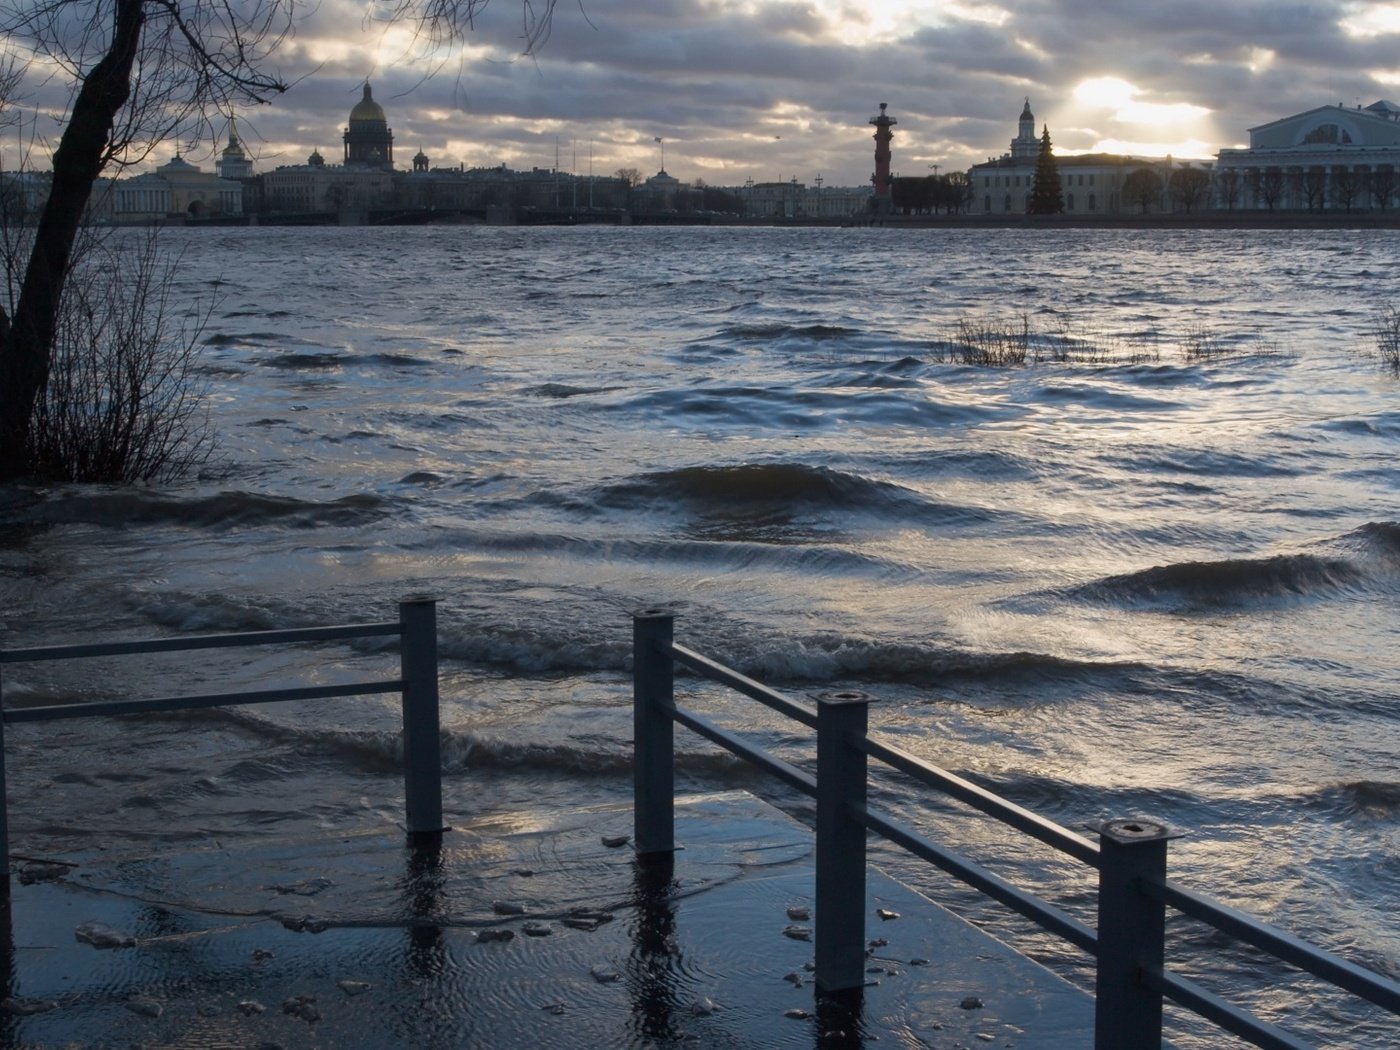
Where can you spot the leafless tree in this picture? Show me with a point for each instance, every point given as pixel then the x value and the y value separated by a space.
pixel 1380 184
pixel 1143 187
pixel 140 72
pixel 1267 186
pixel 1314 186
pixel 1346 186
pixel 1189 187
pixel 1227 185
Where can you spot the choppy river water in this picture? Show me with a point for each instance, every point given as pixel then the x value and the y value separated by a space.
pixel 1127 579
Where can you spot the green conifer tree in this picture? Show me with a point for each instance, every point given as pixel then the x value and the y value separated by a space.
pixel 1047 197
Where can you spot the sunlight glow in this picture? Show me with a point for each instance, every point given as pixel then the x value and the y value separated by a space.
pixel 1105 92
pixel 1120 96
pixel 1188 149
pixel 1260 59
pixel 1370 20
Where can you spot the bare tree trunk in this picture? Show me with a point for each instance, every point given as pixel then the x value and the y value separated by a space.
pixel 26 340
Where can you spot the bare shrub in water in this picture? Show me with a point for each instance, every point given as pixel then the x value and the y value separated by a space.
pixel 1387 335
pixel 124 401
pixel 1199 343
pixel 986 342
pixel 1070 344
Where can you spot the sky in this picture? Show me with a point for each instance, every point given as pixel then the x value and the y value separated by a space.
pixel 776 89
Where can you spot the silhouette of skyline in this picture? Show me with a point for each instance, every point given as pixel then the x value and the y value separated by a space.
pixel 770 90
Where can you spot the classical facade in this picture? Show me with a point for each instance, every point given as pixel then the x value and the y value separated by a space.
pixel 797 200
pixel 176 189
pixel 1093 183
pixel 320 187
pixel 1327 158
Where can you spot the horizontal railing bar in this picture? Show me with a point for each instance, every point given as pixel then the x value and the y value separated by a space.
pixel 754 690
pixel 1225 1014
pixel 207 641
pixel 979 878
pixel 1007 812
pixel 54 712
pixel 1355 979
pixel 789 774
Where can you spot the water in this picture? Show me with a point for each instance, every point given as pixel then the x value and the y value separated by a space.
pixel 1127 583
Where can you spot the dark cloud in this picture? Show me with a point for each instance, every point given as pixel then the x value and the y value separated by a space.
pixel 748 88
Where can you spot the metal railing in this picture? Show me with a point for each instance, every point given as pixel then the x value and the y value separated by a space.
pixel 417 683
pixel 1131 857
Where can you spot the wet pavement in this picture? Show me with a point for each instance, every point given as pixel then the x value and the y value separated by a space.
pixel 509 934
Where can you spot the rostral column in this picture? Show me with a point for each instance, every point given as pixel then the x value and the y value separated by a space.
pixel 881 178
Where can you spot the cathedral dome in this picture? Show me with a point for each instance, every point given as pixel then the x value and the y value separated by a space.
pixel 368 109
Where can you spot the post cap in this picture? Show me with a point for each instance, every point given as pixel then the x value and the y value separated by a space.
pixel 1128 830
pixel 654 613
pixel 836 697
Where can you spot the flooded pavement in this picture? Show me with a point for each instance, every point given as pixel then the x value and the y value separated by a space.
pixel 511 933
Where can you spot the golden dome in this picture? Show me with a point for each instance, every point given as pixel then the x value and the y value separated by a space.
pixel 368 109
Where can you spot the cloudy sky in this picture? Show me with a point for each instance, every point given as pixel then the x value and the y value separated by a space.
pixel 769 89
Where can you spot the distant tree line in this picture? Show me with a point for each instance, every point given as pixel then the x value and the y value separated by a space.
pixel 931 194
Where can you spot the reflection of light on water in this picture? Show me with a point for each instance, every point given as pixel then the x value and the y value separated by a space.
pixel 1100 587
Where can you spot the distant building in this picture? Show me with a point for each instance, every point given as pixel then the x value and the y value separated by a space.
pixel 368 141
pixel 320 187
pixel 23 194
pixel 1327 158
pixel 1092 182
pixel 233 163
pixel 658 192
pixel 796 200
pixel 365 181
pixel 175 190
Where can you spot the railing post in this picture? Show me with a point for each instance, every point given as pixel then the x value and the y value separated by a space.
pixel 653 733
pixel 4 818
pixel 1132 934
pixel 422 742
pixel 842 718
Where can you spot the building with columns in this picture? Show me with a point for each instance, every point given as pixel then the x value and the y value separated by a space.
pixel 175 190
pixel 1092 182
pixel 1328 158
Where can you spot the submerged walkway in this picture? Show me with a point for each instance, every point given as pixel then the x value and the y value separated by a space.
pixel 512 935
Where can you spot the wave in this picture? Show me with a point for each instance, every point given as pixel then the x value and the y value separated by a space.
pixel 1363 556
pixel 220 510
pixel 463 751
pixel 1232 582
pixel 774 331
pixel 562 391
pixel 1373 799
pixel 304 360
pixel 785 408
pixel 1379 539
pixel 743 492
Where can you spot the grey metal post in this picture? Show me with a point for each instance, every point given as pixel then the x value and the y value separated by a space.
pixel 4 818
pixel 422 743
pixel 1132 934
pixel 653 733
pixel 841 791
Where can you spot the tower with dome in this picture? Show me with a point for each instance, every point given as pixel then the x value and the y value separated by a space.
pixel 368 141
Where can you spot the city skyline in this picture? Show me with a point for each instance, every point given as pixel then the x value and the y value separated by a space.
pixel 768 90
